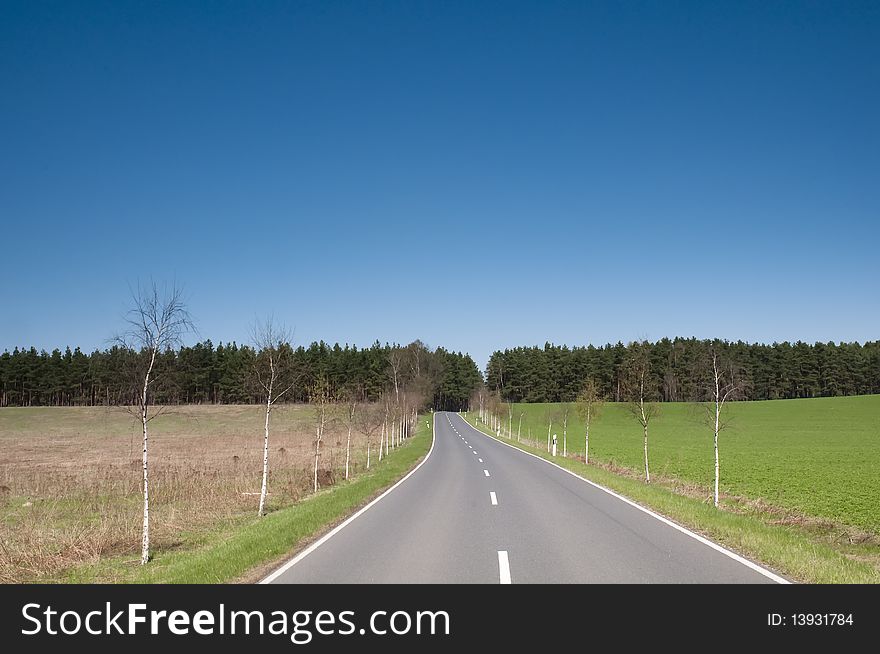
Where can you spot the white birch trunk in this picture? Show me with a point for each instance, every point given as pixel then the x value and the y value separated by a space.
pixel 317 456
pixel 717 424
pixel 319 433
pixel 645 425
pixel 348 450
pixel 145 535
pixel 381 440
pixel 565 437
pixel 265 484
pixel 587 438
pixel 717 467
pixel 549 426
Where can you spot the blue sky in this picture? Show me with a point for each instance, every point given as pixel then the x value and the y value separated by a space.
pixel 477 175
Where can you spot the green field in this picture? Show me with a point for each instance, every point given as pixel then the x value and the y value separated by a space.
pixel 813 458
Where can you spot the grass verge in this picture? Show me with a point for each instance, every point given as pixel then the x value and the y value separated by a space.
pixel 244 549
pixel 788 550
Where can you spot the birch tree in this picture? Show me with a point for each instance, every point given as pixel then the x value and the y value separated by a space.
pixel 725 381
pixel 395 371
pixel 549 428
pixel 369 420
pixel 639 390
pixel 320 398
pixel 589 405
pixel 550 414
pixel 274 374
pixel 385 403
pixel 157 322
pixel 565 410
pixel 352 402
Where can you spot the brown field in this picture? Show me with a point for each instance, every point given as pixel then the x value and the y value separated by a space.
pixel 70 478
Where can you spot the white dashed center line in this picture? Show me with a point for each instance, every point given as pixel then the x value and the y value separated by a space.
pixel 486 472
pixel 503 567
pixel 480 460
pixel 494 498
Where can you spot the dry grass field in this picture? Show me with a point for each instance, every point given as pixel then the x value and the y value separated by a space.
pixel 70 478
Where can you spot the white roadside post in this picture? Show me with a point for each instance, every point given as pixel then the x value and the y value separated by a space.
pixel 554 444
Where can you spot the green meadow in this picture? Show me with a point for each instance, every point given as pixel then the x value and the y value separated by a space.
pixel 805 459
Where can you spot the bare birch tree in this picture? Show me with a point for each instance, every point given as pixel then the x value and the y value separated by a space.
pixel 157 321
pixel 274 374
pixel 565 410
pixel 640 392
pixel 550 414
pixel 589 405
pixel 320 398
pixel 369 420
pixel 352 402
pixel 725 381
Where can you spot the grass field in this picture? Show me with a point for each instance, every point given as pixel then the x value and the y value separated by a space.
pixel 805 459
pixel 70 490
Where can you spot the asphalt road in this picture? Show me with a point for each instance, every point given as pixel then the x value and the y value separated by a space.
pixel 479 511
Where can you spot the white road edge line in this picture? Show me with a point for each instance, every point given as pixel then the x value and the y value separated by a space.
pixel 503 567
pixel 494 498
pixel 705 541
pixel 311 548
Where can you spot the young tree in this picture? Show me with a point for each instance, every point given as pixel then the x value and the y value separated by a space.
pixel 639 391
pixel 386 404
pixel 320 398
pixel 157 322
pixel 352 402
pixel 565 410
pixel 726 381
pixel 369 420
pixel 273 370
pixel 549 414
pixel 589 405
pixel 519 429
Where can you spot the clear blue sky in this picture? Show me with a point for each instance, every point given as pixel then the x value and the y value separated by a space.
pixel 478 175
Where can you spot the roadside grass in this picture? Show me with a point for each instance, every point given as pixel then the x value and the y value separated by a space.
pixel 232 551
pixel 790 550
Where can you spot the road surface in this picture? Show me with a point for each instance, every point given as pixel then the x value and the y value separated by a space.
pixel 479 511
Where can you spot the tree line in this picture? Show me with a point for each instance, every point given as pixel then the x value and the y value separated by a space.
pixel 675 370
pixel 205 374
